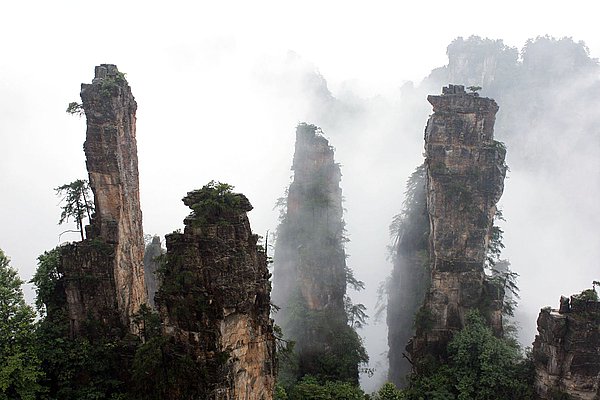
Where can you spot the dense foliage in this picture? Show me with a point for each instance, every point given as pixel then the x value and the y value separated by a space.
pixel 45 363
pixel 212 202
pixel 388 392
pixel 480 366
pixel 19 365
pixel 310 388
pixel 162 369
pixel 410 228
pixel 100 365
pixel 336 361
pixel 588 294
pixel 75 368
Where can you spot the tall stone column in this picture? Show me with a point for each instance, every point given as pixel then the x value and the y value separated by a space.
pixel 214 301
pixel 105 272
pixel 465 179
pixel 310 255
pixel 112 163
pixel 310 272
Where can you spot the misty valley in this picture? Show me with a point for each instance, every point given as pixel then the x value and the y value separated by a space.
pixel 213 310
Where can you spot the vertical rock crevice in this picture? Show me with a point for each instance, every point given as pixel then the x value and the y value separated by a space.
pixel 465 178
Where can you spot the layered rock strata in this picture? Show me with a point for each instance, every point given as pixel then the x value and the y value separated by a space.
pixel 104 274
pixel 214 299
pixel 465 179
pixel 566 351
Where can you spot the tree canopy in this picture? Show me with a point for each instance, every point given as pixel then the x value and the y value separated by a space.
pixel 481 366
pixel 78 203
pixel 19 366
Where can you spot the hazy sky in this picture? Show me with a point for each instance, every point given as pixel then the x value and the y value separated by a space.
pixel 219 95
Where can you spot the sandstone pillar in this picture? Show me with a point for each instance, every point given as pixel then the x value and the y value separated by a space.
pixel 465 179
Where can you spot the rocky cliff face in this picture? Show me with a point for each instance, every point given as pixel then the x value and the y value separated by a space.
pixel 566 351
pixel 104 273
pixel 214 299
pixel 310 271
pixel 87 268
pixel 465 179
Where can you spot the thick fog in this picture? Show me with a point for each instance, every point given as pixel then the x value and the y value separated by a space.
pixel 221 89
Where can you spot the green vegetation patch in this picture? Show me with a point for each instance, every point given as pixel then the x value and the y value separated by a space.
pixel 215 203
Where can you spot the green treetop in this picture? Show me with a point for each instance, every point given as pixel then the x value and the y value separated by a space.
pixel 19 366
pixel 77 203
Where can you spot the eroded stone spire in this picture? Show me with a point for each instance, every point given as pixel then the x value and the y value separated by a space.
pixel 310 272
pixel 465 178
pixel 214 301
pixel 112 163
pixel 111 258
pixel 314 216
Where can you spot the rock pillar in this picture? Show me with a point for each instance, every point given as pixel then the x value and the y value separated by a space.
pixel 214 300
pixel 105 272
pixel 310 272
pixel 465 179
